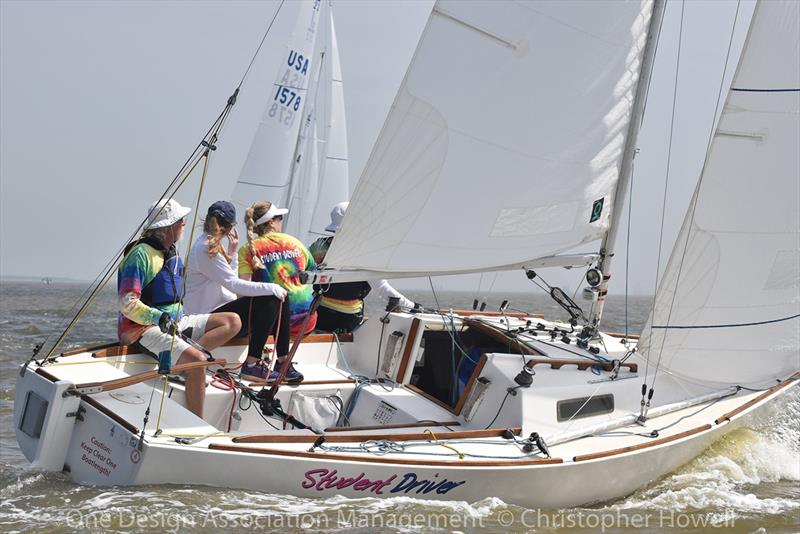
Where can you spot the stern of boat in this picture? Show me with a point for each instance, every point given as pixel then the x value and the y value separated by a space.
pixel 44 418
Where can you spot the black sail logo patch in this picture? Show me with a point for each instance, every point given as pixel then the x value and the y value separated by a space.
pixel 597 210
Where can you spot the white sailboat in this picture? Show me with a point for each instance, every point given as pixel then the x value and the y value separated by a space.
pixel 461 406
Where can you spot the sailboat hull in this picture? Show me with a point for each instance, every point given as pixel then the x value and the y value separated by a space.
pixel 102 446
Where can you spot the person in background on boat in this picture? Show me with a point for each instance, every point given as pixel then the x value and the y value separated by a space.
pixel 149 285
pixel 341 308
pixel 272 256
pixel 213 286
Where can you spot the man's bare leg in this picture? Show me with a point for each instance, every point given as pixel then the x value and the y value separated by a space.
pixel 195 381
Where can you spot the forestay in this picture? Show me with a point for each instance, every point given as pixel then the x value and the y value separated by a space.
pixel 504 141
pixel 728 307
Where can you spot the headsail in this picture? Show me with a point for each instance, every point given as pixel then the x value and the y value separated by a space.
pixel 728 308
pixel 503 144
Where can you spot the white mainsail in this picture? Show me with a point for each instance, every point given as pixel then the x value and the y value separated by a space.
pixel 504 142
pixel 266 171
pixel 727 310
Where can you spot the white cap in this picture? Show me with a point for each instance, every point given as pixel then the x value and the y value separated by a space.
pixel 165 213
pixel 337 214
pixel 272 212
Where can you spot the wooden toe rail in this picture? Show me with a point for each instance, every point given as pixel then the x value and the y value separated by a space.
pixel 582 364
pixel 727 417
pixel 109 385
pixel 364 458
pixel 391 426
pixel 358 438
pixel 651 443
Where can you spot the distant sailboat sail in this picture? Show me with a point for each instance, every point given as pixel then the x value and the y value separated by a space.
pixel 504 142
pixel 728 308
pixel 334 177
pixel 266 171
pixel 320 169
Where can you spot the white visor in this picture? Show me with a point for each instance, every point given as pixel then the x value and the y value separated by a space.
pixel 272 212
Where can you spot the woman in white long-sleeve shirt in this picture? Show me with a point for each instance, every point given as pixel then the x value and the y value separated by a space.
pixel 213 285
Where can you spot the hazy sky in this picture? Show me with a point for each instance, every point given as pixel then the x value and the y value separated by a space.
pixel 101 102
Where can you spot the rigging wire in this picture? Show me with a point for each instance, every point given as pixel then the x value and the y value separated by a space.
pixel 201 150
pixel 263 38
pixel 669 161
pixel 628 238
pixel 693 205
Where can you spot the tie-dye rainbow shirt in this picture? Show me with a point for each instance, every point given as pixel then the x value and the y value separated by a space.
pixel 284 257
pixel 139 268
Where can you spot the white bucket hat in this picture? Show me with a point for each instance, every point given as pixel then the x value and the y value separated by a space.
pixel 337 214
pixel 165 213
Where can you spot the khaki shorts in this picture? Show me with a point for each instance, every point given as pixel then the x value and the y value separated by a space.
pixel 157 341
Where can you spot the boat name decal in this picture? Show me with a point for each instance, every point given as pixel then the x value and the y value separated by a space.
pixel 322 479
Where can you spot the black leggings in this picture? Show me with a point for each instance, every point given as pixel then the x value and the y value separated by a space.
pixel 329 320
pixel 259 319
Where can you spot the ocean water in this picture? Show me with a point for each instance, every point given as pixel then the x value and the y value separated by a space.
pixel 749 481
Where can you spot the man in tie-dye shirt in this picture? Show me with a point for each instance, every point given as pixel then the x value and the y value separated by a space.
pixel 149 285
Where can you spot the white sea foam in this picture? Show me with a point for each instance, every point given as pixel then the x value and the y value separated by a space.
pixel 724 476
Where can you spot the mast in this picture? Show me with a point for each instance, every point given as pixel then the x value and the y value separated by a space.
pixel 626 167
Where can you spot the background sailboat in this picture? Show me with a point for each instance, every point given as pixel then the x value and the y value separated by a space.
pixel 298 157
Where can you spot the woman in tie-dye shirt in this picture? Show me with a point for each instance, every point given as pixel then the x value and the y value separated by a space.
pixel 272 256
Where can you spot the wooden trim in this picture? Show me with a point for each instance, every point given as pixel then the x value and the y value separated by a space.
pixel 582 364
pixel 476 373
pixel 621 335
pixel 105 410
pixel 411 343
pixel 343 381
pixel 430 397
pixel 751 402
pixel 353 438
pixel 500 336
pixel 117 350
pixel 310 338
pixel 387 427
pixel 118 383
pixel 384 459
pixel 42 372
pixel 641 446
pixel 81 350
pixel 516 315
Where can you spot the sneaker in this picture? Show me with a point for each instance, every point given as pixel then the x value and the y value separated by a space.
pixel 256 372
pixel 292 375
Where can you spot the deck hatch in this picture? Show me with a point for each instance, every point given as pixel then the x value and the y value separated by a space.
pixel 584 407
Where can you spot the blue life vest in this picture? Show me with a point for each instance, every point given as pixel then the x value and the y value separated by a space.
pixel 165 288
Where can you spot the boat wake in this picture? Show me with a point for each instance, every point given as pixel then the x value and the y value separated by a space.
pixel 723 479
